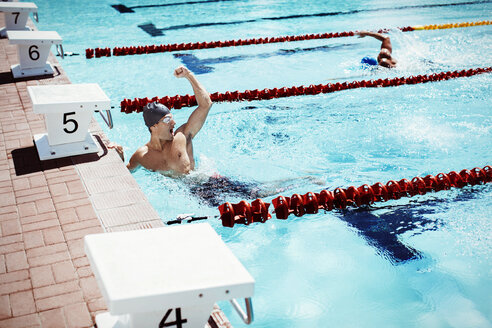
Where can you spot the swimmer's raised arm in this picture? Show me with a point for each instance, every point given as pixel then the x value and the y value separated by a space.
pixel 199 115
pixel 386 42
pixel 378 36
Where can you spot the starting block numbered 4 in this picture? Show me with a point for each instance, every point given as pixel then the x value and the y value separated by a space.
pixel 16 14
pixel 68 111
pixel 165 277
pixel 33 49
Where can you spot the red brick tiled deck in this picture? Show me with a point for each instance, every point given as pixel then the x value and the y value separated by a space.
pixel 45 211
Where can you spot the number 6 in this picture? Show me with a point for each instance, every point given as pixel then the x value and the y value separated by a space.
pixel 33 52
pixel 65 121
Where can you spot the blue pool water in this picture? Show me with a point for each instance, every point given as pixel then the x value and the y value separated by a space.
pixel 419 262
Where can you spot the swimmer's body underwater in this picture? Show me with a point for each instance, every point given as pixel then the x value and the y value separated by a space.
pixel 170 151
pixel 384 58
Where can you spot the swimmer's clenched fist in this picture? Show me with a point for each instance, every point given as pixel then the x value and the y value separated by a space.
pixel 181 71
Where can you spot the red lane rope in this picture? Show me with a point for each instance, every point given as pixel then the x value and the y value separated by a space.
pixel 310 203
pixel 150 49
pixel 178 101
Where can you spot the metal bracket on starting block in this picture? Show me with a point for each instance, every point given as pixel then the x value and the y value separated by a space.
pixel 68 110
pixel 165 277
pixel 16 14
pixel 33 49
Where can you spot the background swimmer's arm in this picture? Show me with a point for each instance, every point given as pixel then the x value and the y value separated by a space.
pixel 386 42
pixel 199 115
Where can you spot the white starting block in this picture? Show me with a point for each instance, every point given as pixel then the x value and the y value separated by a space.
pixel 166 277
pixel 33 49
pixel 16 14
pixel 68 110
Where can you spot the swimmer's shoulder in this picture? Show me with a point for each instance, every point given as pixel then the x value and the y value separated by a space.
pixel 142 151
pixel 180 137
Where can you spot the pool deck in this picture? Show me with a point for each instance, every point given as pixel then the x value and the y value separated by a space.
pixel 46 209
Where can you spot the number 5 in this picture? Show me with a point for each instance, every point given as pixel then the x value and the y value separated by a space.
pixel 65 121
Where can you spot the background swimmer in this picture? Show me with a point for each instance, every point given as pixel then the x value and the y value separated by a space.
pixel 384 58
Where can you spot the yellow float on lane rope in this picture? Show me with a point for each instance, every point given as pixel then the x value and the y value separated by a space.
pixel 450 25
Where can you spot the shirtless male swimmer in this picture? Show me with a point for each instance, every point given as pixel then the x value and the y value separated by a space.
pixel 170 151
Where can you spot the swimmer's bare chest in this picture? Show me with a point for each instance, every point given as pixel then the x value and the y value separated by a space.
pixel 176 156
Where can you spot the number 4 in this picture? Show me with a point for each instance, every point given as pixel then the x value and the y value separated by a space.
pixel 178 323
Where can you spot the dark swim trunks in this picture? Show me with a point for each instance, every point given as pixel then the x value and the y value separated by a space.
pixel 217 189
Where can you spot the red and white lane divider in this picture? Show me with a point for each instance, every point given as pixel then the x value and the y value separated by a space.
pixel 178 101
pixel 150 49
pixel 311 202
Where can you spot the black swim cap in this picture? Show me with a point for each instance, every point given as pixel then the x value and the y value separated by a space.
pixel 153 112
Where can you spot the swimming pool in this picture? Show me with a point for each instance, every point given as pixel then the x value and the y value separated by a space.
pixel 419 262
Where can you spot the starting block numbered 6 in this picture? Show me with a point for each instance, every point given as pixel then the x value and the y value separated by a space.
pixel 16 14
pixel 68 111
pixel 165 277
pixel 33 49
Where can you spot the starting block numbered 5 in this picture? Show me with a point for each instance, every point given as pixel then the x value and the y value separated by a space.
pixel 16 14
pixel 33 49
pixel 68 111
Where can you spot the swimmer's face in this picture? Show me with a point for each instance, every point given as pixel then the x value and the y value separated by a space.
pixel 165 127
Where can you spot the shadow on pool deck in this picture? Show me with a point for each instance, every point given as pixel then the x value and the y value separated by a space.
pixel 26 160
pixel 7 77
